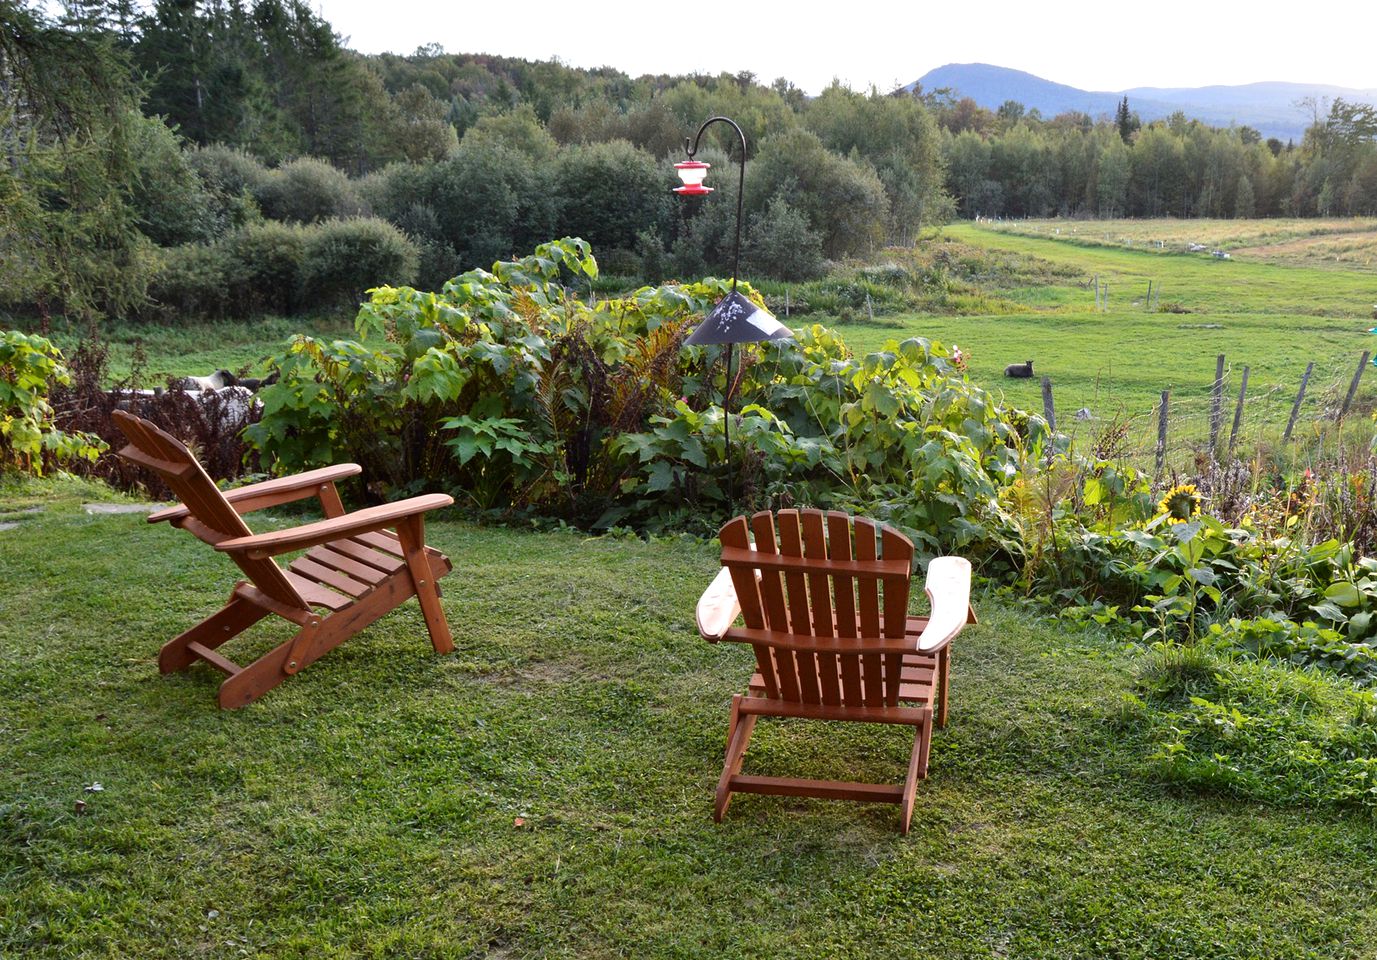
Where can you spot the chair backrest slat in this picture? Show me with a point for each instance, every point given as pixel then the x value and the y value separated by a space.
pixel 801 621
pixel 736 534
pixel 868 598
pixel 763 526
pixel 844 593
pixel 843 587
pixel 806 600
pixel 895 611
pixel 820 593
pixel 168 457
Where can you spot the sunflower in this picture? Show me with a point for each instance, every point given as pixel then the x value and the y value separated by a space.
pixel 1180 503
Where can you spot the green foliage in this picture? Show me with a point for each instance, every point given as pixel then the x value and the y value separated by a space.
pixel 307 190
pixel 69 126
pixel 842 198
pixel 231 178
pixel 192 281
pixel 342 258
pixel 610 191
pixel 266 263
pixel 167 195
pixel 29 367
pixel 781 244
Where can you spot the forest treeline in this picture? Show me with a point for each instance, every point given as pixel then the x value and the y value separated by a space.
pixel 225 157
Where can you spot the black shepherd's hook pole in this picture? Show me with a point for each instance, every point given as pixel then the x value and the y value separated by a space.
pixel 691 148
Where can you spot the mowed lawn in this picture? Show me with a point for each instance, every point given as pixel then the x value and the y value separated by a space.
pixel 1272 318
pixel 546 790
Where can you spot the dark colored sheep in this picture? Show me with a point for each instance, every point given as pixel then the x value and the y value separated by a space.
pixel 1021 370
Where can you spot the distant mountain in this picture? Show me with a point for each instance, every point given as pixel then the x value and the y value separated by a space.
pixel 1268 107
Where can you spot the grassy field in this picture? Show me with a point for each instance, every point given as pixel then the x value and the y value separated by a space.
pixel 202 348
pixel 1272 318
pixel 370 806
pixel 1344 243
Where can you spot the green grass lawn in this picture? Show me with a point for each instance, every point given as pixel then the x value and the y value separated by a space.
pixel 1273 318
pixel 369 806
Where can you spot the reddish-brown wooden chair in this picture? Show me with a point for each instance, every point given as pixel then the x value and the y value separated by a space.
pixel 829 643
pixel 354 568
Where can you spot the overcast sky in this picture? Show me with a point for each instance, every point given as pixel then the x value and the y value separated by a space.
pixel 1096 46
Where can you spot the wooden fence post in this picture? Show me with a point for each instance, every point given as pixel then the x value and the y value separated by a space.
pixel 786 301
pixel 1216 405
pixel 1147 301
pixel 1295 407
pixel 1353 387
pixel 1097 293
pixel 1238 412
pixel 1048 411
pixel 1162 431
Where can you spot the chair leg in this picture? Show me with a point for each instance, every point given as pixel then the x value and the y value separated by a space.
pixel 917 770
pixel 738 738
pixel 228 622
pixel 411 533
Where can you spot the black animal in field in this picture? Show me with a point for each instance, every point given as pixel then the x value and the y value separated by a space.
pixel 1022 370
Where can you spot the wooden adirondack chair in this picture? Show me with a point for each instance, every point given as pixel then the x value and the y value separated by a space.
pixel 355 569
pixel 828 645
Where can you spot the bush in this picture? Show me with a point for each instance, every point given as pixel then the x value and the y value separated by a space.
pixel 782 245
pixel 231 179
pixel 343 258
pixel 171 204
pixel 266 262
pixel 394 190
pixel 308 191
pixel 193 281
pixel 30 367
pixel 611 192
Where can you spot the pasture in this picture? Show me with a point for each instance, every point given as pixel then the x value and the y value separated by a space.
pixel 1273 317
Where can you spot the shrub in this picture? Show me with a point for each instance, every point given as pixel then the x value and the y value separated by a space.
pixel 611 191
pixel 343 258
pixel 781 245
pixel 491 199
pixel 231 178
pixel 394 190
pixel 171 204
pixel 307 190
pixel 596 414
pixel 193 281
pixel 210 423
pixel 266 262
pixel 30 367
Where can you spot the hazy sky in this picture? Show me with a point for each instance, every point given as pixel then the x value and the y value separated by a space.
pixel 1097 46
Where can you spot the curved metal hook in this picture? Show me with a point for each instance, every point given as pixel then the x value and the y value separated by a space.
pixel 691 148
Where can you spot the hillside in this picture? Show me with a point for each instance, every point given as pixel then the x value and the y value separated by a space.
pixel 1269 107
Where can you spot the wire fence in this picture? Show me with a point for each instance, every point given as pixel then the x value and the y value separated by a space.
pixel 1237 420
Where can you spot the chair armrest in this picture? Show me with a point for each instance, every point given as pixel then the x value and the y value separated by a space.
pixel 367 520
pixel 269 493
pixel 718 607
pixel 948 588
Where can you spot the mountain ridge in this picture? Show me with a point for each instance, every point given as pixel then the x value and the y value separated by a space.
pixel 1268 106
